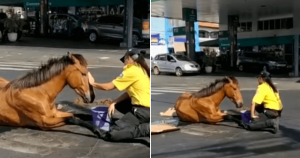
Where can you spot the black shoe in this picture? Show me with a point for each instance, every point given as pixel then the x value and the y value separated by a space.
pixel 244 125
pixel 275 125
pixel 101 134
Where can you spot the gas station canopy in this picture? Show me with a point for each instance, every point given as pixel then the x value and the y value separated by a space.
pixel 74 3
pixel 216 11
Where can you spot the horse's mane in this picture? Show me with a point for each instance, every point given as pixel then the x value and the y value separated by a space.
pixel 214 87
pixel 52 68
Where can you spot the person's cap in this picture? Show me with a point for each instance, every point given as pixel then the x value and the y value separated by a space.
pixel 264 74
pixel 134 53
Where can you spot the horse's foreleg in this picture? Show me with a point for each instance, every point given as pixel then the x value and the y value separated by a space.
pixel 62 114
pixel 54 122
pixel 214 118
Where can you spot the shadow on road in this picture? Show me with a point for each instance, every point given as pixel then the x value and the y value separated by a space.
pixel 64 42
pixel 248 147
pixel 234 73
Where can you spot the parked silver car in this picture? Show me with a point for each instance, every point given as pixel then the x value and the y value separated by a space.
pixel 174 63
pixel 111 27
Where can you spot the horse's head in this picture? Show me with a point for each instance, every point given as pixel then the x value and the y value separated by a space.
pixel 233 92
pixel 77 78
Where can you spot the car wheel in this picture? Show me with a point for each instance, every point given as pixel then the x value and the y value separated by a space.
pixel 241 68
pixel 178 72
pixel 135 39
pixel 93 37
pixel 156 71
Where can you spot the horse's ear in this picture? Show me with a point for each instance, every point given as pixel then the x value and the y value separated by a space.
pixel 69 55
pixel 228 78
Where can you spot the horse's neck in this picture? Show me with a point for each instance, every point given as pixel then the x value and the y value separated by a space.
pixel 53 87
pixel 218 97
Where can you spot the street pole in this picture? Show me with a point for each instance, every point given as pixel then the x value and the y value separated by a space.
pixel 129 23
pixel 44 5
pixel 296 55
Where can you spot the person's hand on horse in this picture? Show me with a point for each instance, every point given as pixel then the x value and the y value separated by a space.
pixel 111 109
pixel 91 79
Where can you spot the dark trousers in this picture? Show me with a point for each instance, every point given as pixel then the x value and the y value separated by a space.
pixel 129 121
pixel 264 119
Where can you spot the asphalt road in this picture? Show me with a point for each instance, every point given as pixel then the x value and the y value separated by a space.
pixel 77 142
pixel 225 139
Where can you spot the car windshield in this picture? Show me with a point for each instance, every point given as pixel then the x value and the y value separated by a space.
pixel 182 58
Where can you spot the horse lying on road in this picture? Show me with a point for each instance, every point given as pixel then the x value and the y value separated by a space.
pixel 204 106
pixel 30 101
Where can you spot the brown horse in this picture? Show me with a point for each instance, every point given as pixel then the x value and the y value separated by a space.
pixel 30 101
pixel 203 106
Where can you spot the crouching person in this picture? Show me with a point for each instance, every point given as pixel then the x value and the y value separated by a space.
pixel 134 104
pixel 267 104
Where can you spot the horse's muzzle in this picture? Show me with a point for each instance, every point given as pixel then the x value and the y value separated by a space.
pixel 88 98
pixel 239 105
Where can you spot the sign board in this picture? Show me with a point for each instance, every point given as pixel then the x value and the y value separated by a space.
pixel 179 31
pixel 146 28
pixel 156 40
pixel 189 14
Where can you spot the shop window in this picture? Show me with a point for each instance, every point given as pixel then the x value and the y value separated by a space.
pixel 277 24
pixel 266 25
pixel 283 23
pixel 272 24
pixel 249 26
pixel 260 25
pixel 289 23
pixel 203 34
pixel 245 27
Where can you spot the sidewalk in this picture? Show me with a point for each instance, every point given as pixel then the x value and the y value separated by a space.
pixel 41 49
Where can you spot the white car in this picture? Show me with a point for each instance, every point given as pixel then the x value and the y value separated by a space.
pixel 174 63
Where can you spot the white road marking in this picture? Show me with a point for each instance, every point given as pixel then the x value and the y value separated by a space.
pixel 103 58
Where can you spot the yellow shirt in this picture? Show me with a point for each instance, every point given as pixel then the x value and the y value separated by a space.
pixel 135 81
pixel 266 95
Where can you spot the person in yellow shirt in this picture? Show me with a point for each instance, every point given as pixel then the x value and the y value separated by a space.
pixel 134 104
pixel 267 103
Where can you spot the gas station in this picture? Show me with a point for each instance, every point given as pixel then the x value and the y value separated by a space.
pixel 254 25
pixel 42 9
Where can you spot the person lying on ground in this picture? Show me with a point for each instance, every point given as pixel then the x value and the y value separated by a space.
pixel 134 104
